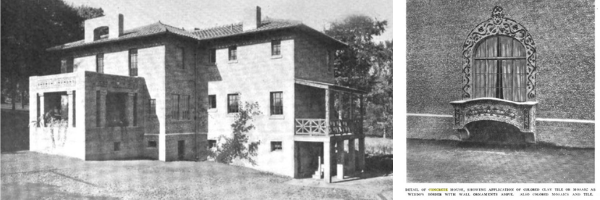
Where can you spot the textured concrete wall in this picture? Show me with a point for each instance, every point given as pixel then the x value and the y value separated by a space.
pixel 100 141
pixel 310 102
pixel 311 60
pixel 564 35
pixel 182 80
pixel 253 76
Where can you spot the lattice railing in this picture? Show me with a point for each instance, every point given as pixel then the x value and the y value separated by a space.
pixel 311 127
pixel 319 127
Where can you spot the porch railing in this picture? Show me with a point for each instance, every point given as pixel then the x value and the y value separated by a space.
pixel 318 127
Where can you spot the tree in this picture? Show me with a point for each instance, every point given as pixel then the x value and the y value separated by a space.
pixel 367 66
pixel 380 99
pixel 238 146
pixel 352 64
pixel 29 27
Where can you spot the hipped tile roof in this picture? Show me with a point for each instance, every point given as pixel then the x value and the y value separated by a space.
pixel 205 34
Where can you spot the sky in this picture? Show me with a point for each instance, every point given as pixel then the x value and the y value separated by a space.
pixel 190 14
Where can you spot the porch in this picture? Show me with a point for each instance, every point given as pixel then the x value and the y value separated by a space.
pixel 328 129
pixel 75 114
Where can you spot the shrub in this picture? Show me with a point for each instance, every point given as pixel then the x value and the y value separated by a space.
pixel 238 146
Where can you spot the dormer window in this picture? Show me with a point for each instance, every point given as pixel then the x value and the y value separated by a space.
pixel 101 33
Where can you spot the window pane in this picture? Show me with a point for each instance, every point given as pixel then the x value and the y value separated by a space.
pixel 276 47
pixel 133 62
pixel 491 47
pixel 232 103
pixel 212 101
pixel 232 53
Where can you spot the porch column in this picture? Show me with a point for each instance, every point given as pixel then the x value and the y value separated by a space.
pixel 352 156
pixel 327 111
pixel 70 110
pixel 327 157
pixel 42 109
pixel 340 161
pixel 130 109
pixel 361 137
pixel 103 94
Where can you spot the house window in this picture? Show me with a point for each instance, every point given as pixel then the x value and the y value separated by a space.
pixel 97 108
pixel 275 146
pixel 212 101
pixel 233 53
pixel 500 69
pixel 151 107
pixel 179 55
pixel 117 146
pixel 212 56
pixel 212 144
pixel 152 144
pixel 116 109
pixel 100 63
pixel 175 107
pixel 101 33
pixel 276 47
pixel 232 103
pixel 135 95
pixel 66 65
pixel 276 103
pixel 133 62
pixel 185 107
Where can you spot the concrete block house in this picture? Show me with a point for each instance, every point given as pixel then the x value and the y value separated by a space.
pixel 501 71
pixel 166 93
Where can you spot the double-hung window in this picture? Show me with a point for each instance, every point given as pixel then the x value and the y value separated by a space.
pixel 276 103
pixel 212 101
pixel 100 63
pixel 276 48
pixel 133 67
pixel 500 69
pixel 233 53
pixel 233 103
pixel 175 106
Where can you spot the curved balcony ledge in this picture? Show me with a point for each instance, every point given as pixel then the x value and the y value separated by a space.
pixel 518 114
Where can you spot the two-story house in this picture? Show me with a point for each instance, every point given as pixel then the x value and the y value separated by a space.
pixel 166 93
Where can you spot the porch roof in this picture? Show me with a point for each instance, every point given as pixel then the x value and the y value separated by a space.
pixel 329 86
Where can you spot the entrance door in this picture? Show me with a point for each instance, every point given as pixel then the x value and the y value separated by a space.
pixel 181 149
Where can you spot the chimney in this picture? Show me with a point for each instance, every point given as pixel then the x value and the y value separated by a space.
pixel 252 19
pixel 114 24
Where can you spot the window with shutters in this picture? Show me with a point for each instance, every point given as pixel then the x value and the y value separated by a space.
pixel 499 69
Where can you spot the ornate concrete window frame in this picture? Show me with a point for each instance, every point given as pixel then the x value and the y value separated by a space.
pixel 470 109
pixel 499 25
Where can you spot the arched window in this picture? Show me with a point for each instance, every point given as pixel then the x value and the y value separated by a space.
pixel 500 69
pixel 101 33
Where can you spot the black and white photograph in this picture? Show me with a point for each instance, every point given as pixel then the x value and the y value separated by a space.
pixel 200 99
pixel 500 91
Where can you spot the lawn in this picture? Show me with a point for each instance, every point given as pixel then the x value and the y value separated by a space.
pixel 431 161
pixel 30 175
